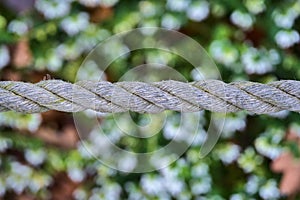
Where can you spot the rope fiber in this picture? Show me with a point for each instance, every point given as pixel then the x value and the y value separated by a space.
pixel 141 97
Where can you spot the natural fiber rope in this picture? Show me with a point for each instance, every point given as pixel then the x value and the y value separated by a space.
pixel 156 97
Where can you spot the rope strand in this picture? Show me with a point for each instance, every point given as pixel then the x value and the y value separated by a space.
pixel 213 95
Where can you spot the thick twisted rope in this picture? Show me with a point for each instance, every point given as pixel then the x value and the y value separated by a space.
pixel 156 97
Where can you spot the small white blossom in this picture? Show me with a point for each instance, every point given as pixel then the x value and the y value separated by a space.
pixel 242 20
pixel 39 181
pixel 287 38
pixel 35 157
pixel 174 185
pixel 74 24
pixel 177 5
pixel 76 174
pixel 284 19
pixel 152 185
pixel 112 191
pixel 237 197
pixel 4 56
pixel 229 153
pixel 90 71
pixel 249 160
pixel 147 8
pixel 231 124
pixel 80 194
pixel 224 52
pixel 69 51
pixel 280 114
pixel 170 22
pixel 295 128
pixel 170 130
pixel 252 185
pixel 53 8
pixel 2 187
pixel 199 170
pixel 265 148
pixel 108 3
pixel 90 3
pixel 90 37
pixel 198 11
pixel 255 6
pixel 259 61
pixel 18 27
pixel 52 61
pixel 201 186
pixel 19 177
pixel 18 120
pixel 127 163
pixel 269 190
pixel 5 144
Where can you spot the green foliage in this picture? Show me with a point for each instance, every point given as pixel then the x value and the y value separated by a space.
pixel 256 40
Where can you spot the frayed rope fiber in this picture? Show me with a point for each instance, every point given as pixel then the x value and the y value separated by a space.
pixel 213 95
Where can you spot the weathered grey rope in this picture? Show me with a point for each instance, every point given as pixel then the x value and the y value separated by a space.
pixel 213 95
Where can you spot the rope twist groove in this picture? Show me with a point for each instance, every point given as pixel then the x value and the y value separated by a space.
pixel 213 95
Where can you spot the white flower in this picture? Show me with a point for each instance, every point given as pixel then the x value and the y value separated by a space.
pixel 90 71
pixel 170 22
pixel 201 186
pixel 76 174
pixel 18 120
pixel 18 27
pixel 248 161
pixel 237 197
pixel 198 11
pixel 147 8
pixel 112 191
pixel 160 58
pixel 199 170
pixel 258 61
pixel 39 181
pixel 242 20
pixel 5 144
pixel 229 153
pixel 19 177
pixel 252 185
pixel 127 163
pixel 4 56
pixel 280 114
pixel 152 185
pixel 287 38
pixel 2 187
pixel 170 130
pixel 284 19
pixel 174 185
pixel 35 157
pixel 224 52
pixel 69 51
pixel 52 61
pixel 295 128
pixel 177 5
pixel 90 37
pixel 80 194
pixel 231 124
pixel 90 3
pixel 53 8
pixel 255 6
pixel 108 3
pixel 74 24
pixel 269 190
pixel 265 148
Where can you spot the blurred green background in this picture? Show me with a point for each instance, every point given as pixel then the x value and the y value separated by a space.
pixel 257 156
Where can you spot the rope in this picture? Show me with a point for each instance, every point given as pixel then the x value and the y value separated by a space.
pixel 213 95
